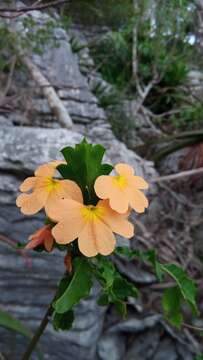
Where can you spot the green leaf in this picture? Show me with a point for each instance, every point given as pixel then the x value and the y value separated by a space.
pixel 121 308
pixel 84 165
pixel 122 288
pixel 63 321
pixel 186 285
pixel 116 289
pixel 149 256
pixel 9 322
pixel 78 288
pixel 105 272
pixel 199 357
pixel 171 303
pixel 103 300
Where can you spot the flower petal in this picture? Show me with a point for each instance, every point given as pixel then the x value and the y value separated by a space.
pixel 65 233
pixel 49 243
pixel 124 169
pixel 69 213
pixel 65 210
pixel 29 203
pixel 56 163
pixel 86 241
pixel 41 194
pixel 69 189
pixel 118 201
pixel 103 186
pixel 33 243
pixel 45 170
pixel 96 237
pixel 137 200
pixel 138 182
pixel 42 236
pixel 117 222
pixel 49 169
pixel 28 184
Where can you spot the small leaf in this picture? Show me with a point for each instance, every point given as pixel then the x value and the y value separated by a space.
pixel 84 165
pixel 121 308
pixel 78 288
pixel 171 303
pixel 103 300
pixel 122 288
pixel 9 322
pixel 105 271
pixel 149 256
pixel 63 321
pixel 185 284
pixel 116 289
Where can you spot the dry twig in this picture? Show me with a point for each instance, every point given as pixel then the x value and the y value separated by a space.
pixel 178 175
pixel 53 99
pixel 5 12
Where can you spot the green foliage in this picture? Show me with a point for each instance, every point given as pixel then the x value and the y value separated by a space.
pixel 9 322
pixel 112 13
pixel 36 37
pixel 63 321
pixel 171 303
pixel 199 357
pixel 84 165
pixel 6 40
pixel 185 284
pixel 77 288
pixel 184 290
pixel 176 142
pixel 115 288
pixel 164 52
pixel 32 36
pixel 190 116
pixel 113 56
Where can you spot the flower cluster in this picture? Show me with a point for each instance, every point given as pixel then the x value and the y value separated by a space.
pixel 91 220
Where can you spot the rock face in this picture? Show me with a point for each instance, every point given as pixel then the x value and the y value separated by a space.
pixel 28 284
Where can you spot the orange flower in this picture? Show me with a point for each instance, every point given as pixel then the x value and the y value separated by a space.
pixel 45 190
pixel 122 190
pixel 92 225
pixel 42 236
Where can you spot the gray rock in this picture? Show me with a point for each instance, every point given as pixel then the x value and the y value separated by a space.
pixel 144 345
pixel 132 272
pixel 5 121
pixel 72 86
pixel 136 325
pixel 111 347
pixel 166 350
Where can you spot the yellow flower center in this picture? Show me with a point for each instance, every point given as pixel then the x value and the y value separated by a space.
pixel 120 181
pixel 52 184
pixel 91 212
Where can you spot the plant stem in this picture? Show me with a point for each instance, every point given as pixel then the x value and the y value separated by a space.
pixel 38 333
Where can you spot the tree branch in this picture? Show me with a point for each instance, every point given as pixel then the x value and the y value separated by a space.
pixel 22 10
pixel 34 7
pixel 53 99
pixel 178 175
